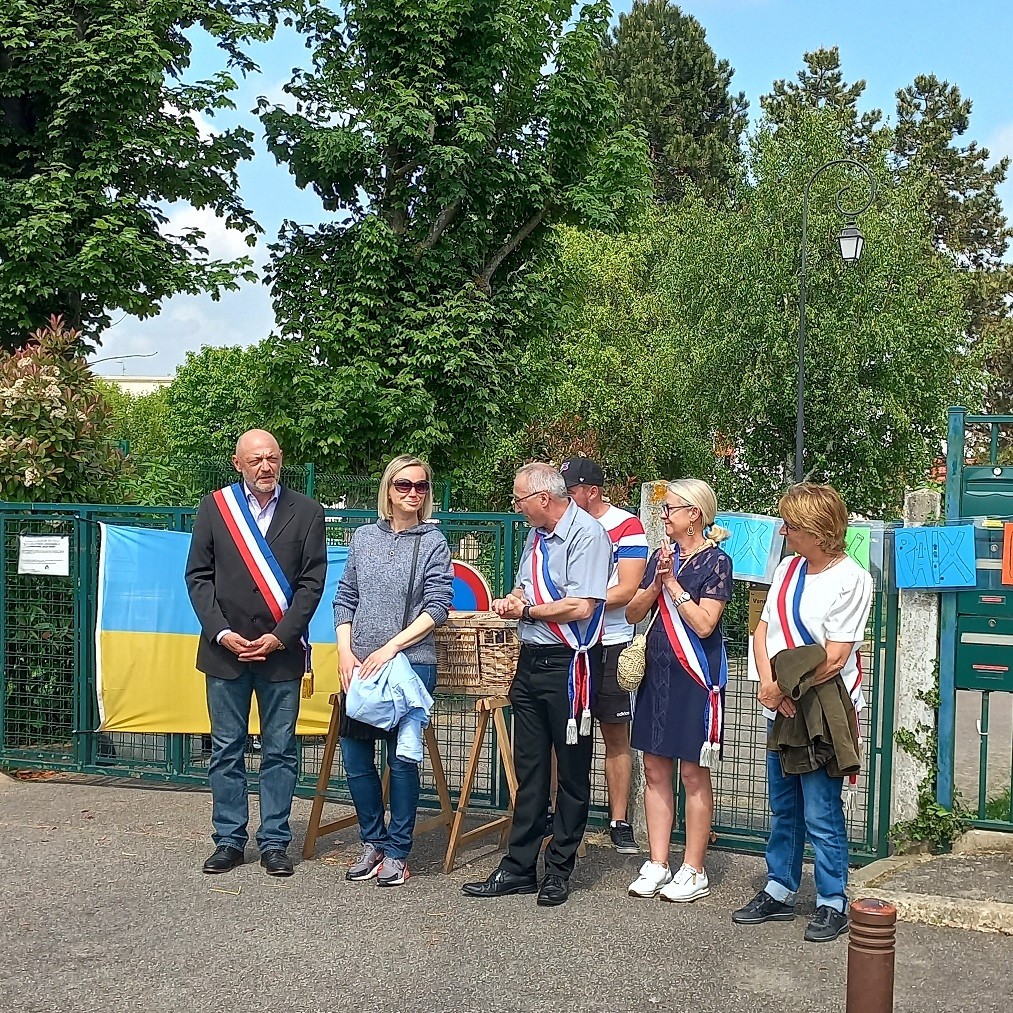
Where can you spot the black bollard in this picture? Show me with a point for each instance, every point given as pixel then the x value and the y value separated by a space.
pixel 871 951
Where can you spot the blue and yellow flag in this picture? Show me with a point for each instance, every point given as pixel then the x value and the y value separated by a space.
pixel 146 638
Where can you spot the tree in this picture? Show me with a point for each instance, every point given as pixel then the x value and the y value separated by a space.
pixel 99 128
pixel 449 136
pixel 55 446
pixel 884 338
pixel 671 83
pixel 212 400
pixel 138 420
pixel 965 211
pixel 821 85
pixel 618 388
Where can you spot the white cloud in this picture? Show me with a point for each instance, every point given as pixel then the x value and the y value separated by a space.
pixel 222 243
pixel 185 324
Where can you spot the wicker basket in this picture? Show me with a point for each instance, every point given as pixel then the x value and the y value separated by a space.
pixel 476 653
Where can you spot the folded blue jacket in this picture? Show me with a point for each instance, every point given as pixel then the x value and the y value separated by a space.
pixel 394 697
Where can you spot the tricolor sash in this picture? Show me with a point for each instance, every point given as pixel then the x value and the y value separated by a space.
pixel 692 655
pixel 789 612
pixel 571 634
pixel 256 554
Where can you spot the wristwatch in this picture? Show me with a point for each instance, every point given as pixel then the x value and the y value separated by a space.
pixel 526 616
pixel 683 598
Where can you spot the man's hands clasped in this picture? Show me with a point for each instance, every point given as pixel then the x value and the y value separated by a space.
pixel 251 650
pixel 510 607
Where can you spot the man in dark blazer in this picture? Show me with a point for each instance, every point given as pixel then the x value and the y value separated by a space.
pixel 252 641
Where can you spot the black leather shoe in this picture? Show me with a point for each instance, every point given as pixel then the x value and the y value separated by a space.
pixel 501 884
pixel 277 863
pixel 555 890
pixel 763 908
pixel 224 859
pixel 826 925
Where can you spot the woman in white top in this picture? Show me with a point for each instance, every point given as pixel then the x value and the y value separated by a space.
pixel 818 596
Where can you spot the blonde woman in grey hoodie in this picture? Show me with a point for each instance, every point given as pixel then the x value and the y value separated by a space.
pixel 397 587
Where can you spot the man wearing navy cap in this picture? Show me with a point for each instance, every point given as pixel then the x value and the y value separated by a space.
pixel 612 705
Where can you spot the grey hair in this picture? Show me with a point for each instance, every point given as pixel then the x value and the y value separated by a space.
pixel 542 477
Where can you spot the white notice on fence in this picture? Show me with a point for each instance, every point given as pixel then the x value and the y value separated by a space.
pixel 48 554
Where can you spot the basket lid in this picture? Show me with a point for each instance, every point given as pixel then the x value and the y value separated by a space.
pixel 485 619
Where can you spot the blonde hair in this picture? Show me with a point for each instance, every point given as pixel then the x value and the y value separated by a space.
pixel 383 508
pixel 819 510
pixel 695 492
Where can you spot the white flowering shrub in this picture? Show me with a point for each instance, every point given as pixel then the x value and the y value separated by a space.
pixel 55 444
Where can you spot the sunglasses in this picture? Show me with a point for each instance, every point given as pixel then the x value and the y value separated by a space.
pixel 404 487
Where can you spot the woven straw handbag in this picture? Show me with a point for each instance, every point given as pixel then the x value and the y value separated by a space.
pixel 633 660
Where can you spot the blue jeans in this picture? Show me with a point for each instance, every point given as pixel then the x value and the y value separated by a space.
pixel 229 709
pixel 393 839
pixel 806 804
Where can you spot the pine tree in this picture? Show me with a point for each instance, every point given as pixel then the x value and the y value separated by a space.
pixel 672 84
pixel 821 85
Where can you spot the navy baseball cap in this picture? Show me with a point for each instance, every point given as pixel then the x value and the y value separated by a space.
pixel 581 471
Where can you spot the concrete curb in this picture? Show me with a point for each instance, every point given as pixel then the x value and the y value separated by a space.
pixel 6 780
pixel 983 842
pixel 935 909
pixel 951 912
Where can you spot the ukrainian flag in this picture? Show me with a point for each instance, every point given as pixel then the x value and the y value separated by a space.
pixel 146 638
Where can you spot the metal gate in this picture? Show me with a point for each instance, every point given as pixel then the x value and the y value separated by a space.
pixel 976 628
pixel 48 708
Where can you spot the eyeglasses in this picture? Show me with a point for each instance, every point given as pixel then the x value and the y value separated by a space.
pixel 790 528
pixel 404 487
pixel 667 509
pixel 517 500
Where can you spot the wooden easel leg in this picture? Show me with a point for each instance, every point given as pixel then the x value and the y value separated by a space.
pixel 481 723
pixel 323 779
pixel 439 775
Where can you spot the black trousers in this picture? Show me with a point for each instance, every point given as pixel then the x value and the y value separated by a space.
pixel 541 709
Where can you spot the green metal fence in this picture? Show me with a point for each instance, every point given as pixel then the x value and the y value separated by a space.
pixel 48 708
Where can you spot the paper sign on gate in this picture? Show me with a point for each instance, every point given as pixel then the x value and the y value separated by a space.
pixel 44 554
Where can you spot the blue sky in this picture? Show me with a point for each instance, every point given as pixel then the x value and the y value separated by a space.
pixel 886 43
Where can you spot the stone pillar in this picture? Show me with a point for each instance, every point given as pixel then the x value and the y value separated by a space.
pixel 917 655
pixel 652 495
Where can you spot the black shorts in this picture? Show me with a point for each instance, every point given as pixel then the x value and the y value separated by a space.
pixel 611 705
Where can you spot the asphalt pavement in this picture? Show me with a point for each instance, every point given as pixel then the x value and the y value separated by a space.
pixel 105 909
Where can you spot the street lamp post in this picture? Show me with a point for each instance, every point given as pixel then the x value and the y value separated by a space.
pixel 851 242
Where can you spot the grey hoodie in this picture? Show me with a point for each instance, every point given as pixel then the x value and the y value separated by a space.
pixel 374 586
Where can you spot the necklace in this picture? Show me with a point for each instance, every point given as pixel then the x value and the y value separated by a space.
pixel 826 566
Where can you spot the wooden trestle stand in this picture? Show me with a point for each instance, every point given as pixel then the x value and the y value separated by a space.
pixel 485 707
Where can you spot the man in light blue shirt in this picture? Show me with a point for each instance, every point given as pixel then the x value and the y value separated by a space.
pixel 558 598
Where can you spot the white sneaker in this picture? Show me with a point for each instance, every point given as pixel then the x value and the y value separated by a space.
pixel 686 885
pixel 651 879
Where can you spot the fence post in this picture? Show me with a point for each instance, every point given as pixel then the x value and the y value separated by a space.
pixel 651 494
pixel 311 479
pixel 917 654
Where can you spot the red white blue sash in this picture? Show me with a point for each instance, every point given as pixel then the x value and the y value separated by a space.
pixel 789 613
pixel 256 554
pixel 692 655
pixel 573 635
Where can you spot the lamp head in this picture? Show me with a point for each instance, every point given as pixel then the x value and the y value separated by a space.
pixel 851 242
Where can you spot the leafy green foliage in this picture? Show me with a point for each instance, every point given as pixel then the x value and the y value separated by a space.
pixel 618 377
pixel 139 421
pixel 98 129
pixel 671 83
pixel 932 825
pixel 212 400
pixel 449 136
pixel 883 336
pixel 55 446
